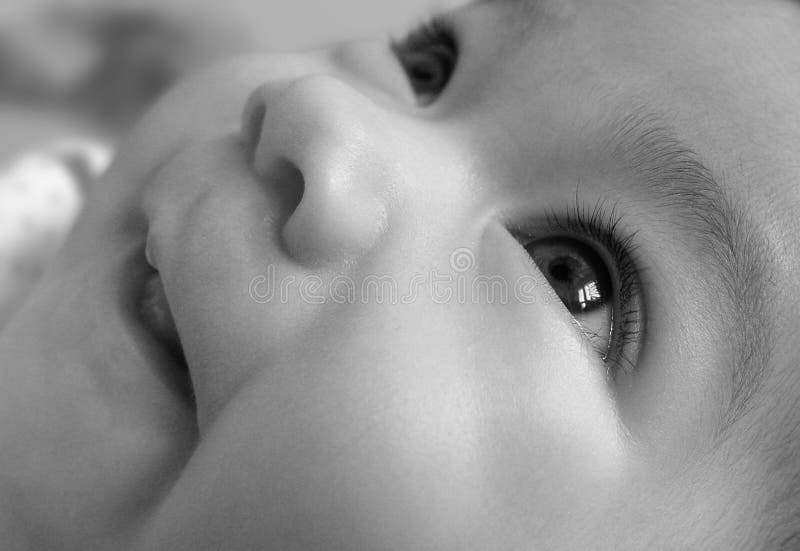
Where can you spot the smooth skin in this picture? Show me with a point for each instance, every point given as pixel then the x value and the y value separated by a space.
pixel 430 424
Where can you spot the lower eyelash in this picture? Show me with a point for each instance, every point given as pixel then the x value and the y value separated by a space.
pixel 602 226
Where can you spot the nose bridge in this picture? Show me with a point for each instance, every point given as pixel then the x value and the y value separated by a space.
pixel 333 143
pixel 372 63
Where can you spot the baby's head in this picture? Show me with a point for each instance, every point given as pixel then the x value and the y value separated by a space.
pixel 524 280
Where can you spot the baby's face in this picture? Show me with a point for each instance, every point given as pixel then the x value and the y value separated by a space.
pixel 544 302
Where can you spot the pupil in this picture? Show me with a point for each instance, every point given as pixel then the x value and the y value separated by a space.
pixel 575 271
pixel 422 74
pixel 561 271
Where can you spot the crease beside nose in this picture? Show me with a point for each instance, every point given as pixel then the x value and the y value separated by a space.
pixel 328 145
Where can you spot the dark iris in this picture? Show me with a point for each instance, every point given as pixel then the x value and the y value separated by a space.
pixel 428 56
pixel 575 271
pixel 428 72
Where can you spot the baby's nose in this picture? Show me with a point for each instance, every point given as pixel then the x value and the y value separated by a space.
pixel 330 148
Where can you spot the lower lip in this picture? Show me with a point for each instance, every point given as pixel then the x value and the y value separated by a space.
pixel 139 350
pixel 155 317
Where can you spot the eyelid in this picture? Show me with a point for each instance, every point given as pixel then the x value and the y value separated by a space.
pixel 600 227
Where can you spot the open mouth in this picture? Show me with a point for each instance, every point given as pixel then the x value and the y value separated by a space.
pixel 157 317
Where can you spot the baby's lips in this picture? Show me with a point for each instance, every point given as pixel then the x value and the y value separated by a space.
pixel 156 314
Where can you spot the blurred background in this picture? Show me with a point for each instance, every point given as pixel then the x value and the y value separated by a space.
pixel 76 74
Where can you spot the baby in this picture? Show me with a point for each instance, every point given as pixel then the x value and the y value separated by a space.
pixel 522 280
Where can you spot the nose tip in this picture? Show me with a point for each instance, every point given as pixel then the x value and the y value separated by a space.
pixel 334 225
pixel 335 142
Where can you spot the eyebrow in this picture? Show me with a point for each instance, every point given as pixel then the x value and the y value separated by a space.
pixel 685 188
pixel 690 193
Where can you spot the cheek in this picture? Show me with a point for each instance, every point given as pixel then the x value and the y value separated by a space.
pixel 417 447
pixel 414 424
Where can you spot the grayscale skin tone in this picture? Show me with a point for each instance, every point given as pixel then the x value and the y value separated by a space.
pixel 435 424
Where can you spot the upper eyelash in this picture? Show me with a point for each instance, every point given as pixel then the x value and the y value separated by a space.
pixel 436 30
pixel 602 225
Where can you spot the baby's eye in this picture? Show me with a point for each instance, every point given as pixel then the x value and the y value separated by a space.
pixel 581 280
pixel 428 55
pixel 597 281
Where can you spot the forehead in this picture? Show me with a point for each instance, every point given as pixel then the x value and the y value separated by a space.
pixel 735 36
pixel 725 75
pixel 712 15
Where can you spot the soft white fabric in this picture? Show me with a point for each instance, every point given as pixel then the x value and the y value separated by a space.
pixel 41 195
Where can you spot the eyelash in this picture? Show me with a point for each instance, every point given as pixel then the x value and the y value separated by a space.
pixel 435 37
pixel 600 226
pixel 436 30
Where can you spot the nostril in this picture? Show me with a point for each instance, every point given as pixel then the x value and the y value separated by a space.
pixel 288 181
pixel 321 149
